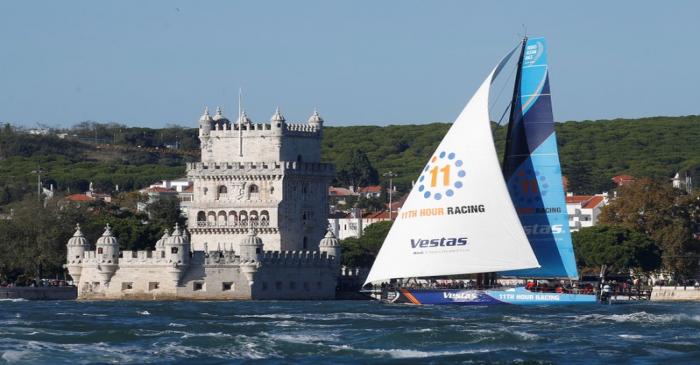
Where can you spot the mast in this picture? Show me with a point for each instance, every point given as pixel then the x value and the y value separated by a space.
pixel 514 101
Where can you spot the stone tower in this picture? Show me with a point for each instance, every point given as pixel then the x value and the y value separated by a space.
pixel 265 175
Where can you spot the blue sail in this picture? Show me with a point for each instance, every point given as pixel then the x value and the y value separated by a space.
pixel 532 170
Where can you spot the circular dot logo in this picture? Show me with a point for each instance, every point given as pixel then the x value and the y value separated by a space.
pixel 442 176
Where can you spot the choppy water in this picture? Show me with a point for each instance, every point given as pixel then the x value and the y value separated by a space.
pixel 344 332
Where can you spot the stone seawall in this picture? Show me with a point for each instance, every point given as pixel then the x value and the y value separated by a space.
pixel 43 293
pixel 675 293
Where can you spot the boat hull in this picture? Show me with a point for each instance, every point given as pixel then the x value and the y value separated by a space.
pixel 518 296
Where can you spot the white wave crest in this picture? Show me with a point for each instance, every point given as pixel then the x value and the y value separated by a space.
pixel 11 356
pixel 638 317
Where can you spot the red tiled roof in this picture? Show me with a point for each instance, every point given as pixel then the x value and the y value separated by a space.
pixel 398 204
pixel 371 189
pixel 332 190
pixel 593 202
pixel 586 201
pixel 79 198
pixel 377 215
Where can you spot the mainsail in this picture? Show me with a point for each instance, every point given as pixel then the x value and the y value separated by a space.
pixel 532 170
pixel 458 218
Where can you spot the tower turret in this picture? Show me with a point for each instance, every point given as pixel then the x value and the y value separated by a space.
pixel 177 252
pixel 315 119
pixel 177 247
pixel 107 254
pixel 251 247
pixel 251 252
pixel 277 120
pixel 330 245
pixel 205 122
pixel 221 122
pixel 77 245
pixel 160 244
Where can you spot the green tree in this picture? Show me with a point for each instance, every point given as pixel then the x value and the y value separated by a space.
pixel 165 212
pixel 357 170
pixel 361 252
pixel 666 215
pixel 617 247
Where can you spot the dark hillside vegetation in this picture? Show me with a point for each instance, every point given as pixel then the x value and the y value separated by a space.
pixel 591 152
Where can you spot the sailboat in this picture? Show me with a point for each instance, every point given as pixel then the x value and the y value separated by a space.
pixel 468 215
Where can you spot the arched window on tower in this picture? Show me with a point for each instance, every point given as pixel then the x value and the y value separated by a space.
pixel 221 221
pixel 243 216
pixel 253 216
pixel 232 217
pixel 221 191
pixel 253 192
pixel 264 218
pixel 211 218
pixel 201 216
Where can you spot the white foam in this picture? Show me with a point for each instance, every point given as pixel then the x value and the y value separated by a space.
pixel 412 354
pixel 13 356
pixel 13 300
pixel 638 317
pixel 632 337
pixel 144 313
pixel 173 324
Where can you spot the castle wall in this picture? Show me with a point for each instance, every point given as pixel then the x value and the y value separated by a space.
pixel 217 275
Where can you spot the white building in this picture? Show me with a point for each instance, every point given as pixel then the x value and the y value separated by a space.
pixel 584 210
pixel 256 224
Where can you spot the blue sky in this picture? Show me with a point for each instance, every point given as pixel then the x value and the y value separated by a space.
pixel 151 63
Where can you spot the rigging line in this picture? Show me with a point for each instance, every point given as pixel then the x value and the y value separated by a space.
pixel 502 88
pixel 504 114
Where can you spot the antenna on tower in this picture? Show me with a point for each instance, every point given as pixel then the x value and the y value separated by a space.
pixel 240 122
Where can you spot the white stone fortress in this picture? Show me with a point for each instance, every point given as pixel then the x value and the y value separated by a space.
pixel 256 229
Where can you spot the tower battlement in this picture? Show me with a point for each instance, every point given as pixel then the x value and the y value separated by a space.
pixel 225 141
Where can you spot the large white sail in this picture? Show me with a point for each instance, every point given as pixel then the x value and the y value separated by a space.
pixel 459 218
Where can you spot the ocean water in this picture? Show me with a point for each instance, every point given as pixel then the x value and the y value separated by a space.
pixel 345 332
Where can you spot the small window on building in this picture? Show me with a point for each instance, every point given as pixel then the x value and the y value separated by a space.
pixel 227 286
pixel 127 286
pixel 162 254
pixel 278 285
pixel 153 285
pixel 264 286
pixel 96 284
pixel 174 249
pixel 99 250
pixel 198 286
pixel 292 285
